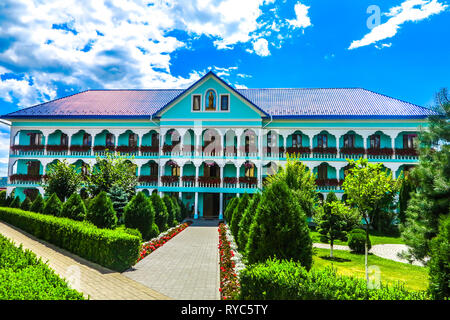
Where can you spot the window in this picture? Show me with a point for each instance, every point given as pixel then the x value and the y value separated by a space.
pixel 196 102
pixel 375 141
pixel 35 138
pixel 349 141
pixel 322 141
pixel 87 139
pixel 323 172
pixel 210 100
pixel 250 170
pixel 109 140
pixel 132 140
pixel 84 168
pixel 269 140
pixel 250 144
pixel 296 140
pixel 64 139
pixel 153 169
pixel 175 171
pixel 33 168
pixel 224 103
pixel 409 141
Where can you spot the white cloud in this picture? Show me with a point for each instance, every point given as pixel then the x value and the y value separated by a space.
pixel 302 19
pixel 261 47
pixel 408 11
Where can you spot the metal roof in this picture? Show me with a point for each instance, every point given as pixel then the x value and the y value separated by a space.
pixel 331 103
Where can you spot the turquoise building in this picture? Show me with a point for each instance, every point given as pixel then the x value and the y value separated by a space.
pixel 211 142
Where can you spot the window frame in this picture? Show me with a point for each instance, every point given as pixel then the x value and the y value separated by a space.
pixel 199 105
pixel 220 100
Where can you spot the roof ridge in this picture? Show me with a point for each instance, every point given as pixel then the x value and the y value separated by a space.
pixel 385 95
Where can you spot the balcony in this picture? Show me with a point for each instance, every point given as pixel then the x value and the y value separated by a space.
pixel 26 178
pixel 30 150
pixel 128 150
pixel 406 154
pixel 80 150
pixel 170 181
pixel 209 182
pixel 352 152
pixel 57 150
pixel 379 153
pixel 102 150
pixel 188 181
pixel 248 182
pixel 324 153
pixel 230 151
pixel 149 151
pixel 328 184
pixel 150 181
pixel 230 182
pixel 303 152
pixel 249 151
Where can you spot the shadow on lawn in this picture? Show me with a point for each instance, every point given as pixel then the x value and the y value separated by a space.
pixel 335 259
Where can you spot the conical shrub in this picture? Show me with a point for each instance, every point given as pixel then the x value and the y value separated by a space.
pixel 53 206
pixel 74 208
pixel 26 204
pixel 246 221
pixel 101 212
pixel 38 204
pixel 161 214
pixel 15 203
pixel 237 214
pixel 171 210
pixel 139 214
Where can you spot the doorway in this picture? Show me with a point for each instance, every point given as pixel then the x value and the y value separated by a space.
pixel 211 205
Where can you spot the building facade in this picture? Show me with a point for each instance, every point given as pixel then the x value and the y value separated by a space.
pixel 211 142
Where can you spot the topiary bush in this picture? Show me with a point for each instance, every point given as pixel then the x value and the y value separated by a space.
pixel 53 206
pixel 357 240
pixel 74 208
pixel 139 214
pixel 237 214
pixel 246 221
pixel 15 203
pixel 101 212
pixel 38 204
pixel 133 232
pixel 3 198
pixel 161 214
pixel 26 204
pixel 171 210
pixel 279 228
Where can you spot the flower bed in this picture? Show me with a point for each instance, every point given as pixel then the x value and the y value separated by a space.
pixel 150 246
pixel 230 265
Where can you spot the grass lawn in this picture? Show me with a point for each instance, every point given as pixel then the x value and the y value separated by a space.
pixel 374 239
pixel 350 264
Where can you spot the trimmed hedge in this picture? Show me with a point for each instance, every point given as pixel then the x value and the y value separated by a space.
pixel 288 280
pixel 357 241
pixel 115 250
pixel 25 277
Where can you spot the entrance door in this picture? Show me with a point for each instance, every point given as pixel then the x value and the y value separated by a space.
pixel 211 205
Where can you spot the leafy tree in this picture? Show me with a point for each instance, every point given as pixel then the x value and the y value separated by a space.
pixel 228 214
pixel 279 228
pixel 26 204
pixel 171 210
pixel 431 199
pixel 74 208
pixel 440 261
pixel 63 179
pixel 335 220
pixel 237 214
pixel 101 212
pixel 161 214
pixel 246 221
pixel 38 204
pixel 119 198
pixel 301 181
pixel 139 214
pixel 369 188
pixel 53 206
pixel 112 170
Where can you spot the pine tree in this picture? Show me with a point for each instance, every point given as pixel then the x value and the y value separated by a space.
pixel 53 206
pixel 38 204
pixel 26 204
pixel 228 214
pixel 279 228
pixel 139 214
pixel 101 212
pixel 119 198
pixel 161 214
pixel 74 208
pixel 246 221
pixel 237 214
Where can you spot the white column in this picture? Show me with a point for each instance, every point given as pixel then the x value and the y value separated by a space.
pixel 222 168
pixel 181 175
pixel 221 206
pixel 196 206
pixel 196 175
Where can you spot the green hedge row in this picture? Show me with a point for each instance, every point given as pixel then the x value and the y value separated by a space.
pixel 24 277
pixel 288 280
pixel 112 249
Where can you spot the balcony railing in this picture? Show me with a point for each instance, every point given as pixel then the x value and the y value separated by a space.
pixel 379 153
pixel 248 182
pixel 406 154
pixel 26 178
pixel 327 184
pixel 57 150
pixel 149 150
pixel 303 152
pixel 130 150
pixel 170 181
pixel 230 182
pixel 148 180
pixel 351 152
pixel 101 150
pixel 188 181
pixel 28 150
pixel 80 150
pixel 319 152
pixel 208 182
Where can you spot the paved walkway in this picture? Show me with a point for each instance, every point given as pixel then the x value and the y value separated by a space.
pixel 387 251
pixel 92 280
pixel 186 267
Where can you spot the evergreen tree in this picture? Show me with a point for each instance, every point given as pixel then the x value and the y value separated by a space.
pixel 404 196
pixel 38 204
pixel 74 208
pixel 26 204
pixel 177 206
pixel 3 198
pixel 237 214
pixel 161 214
pixel 431 199
pixel 139 214
pixel 119 198
pixel 279 228
pixel 228 214
pixel 53 206
pixel 171 210
pixel 15 203
pixel 101 212
pixel 246 221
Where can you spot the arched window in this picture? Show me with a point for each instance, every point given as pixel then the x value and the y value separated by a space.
pixel 210 100
pixel 132 140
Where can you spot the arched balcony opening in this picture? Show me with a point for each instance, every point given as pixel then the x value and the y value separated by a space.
pixel 128 143
pixel 150 144
pixel 134 166
pixel 326 177
pixel 28 142
pixel 230 144
pixel 210 177
pixel 81 143
pixel 172 143
pixel 189 172
pixel 273 145
pixel 404 169
pixel 103 142
pixel 248 174
pixel 379 146
pixel 149 174
pixel 324 145
pixel 211 143
pixel 58 143
pixel 249 143
pixel 297 144
pixel 406 145
pixel 27 171
pixel 351 145
pixel 171 176
pixel 81 167
pixel 344 172
pixel 230 175
pixel 268 170
pixel 189 143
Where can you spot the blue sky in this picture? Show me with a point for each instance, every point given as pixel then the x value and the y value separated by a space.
pixel 50 49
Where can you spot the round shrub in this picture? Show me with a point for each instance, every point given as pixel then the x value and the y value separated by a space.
pixel 161 214
pixel 101 212
pixel 357 241
pixel 38 204
pixel 74 208
pixel 53 206
pixel 26 204
pixel 139 214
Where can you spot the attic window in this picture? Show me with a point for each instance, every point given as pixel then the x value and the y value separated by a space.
pixel 224 102
pixel 196 99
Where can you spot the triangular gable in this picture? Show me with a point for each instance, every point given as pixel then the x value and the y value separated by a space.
pixel 198 83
